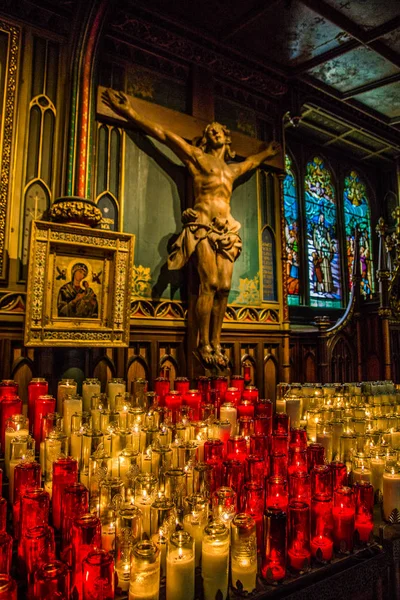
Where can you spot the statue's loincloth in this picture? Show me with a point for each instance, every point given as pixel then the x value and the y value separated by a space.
pixel 221 234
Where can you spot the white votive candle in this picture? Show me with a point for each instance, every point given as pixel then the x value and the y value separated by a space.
pixel 180 574
pixel 391 492
pixel 71 405
pixel 215 561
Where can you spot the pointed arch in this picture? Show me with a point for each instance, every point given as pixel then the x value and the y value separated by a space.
pixel 357 213
pixel 108 205
pixel 292 232
pixel 324 268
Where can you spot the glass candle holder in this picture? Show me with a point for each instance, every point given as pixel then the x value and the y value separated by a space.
pixel 220 384
pixel 202 479
pixel 281 423
pixel 98 576
pixel 347 449
pixel 300 486
pixel 161 387
pixel 233 474
pixel 299 551
pixel 65 473
pixel 237 448
pixel 321 527
pixel 263 425
pixel 194 520
pixel 364 497
pixel 377 466
pixel 180 566
pixel 55 445
pixel 339 474
pixel 277 493
pixel 321 480
pixel 115 386
pixel 35 506
pixel 90 387
pixel 3 514
pixel 175 488
pixel 297 461
pixel 224 505
pixel 391 490
pixel 182 384
pixel 162 514
pixel 245 428
pixel 274 556
pixel 8 587
pixel 6 543
pixel 85 537
pixel 72 404
pixel 145 571
pixel 27 475
pixel 259 446
pixel 192 399
pixel 214 450
pixel 245 408
pixel 294 410
pixel 343 513
pixel 44 405
pixel 233 395
pixel 279 443
pixel 215 560
pixel 324 437
pixel 112 491
pixel 315 455
pixel 74 503
pixel 253 505
pixel 228 412
pixel 256 469
pixel 263 406
pixel 8 408
pixel 173 402
pixel 146 487
pixel 278 464
pixel 65 388
pixel 243 552
pixel 36 547
pixel 52 580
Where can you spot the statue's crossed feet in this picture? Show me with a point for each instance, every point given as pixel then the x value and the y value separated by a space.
pixel 220 359
pixel 213 357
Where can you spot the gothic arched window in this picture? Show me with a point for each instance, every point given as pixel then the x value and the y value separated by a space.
pixel 357 214
pixel 322 244
pixel 291 213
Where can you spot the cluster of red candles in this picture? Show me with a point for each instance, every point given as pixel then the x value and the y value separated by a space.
pixel 303 508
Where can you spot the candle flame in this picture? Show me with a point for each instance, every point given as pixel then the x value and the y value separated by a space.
pixel 180 553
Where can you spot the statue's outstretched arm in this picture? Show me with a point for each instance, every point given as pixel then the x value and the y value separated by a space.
pixel 120 103
pixel 254 161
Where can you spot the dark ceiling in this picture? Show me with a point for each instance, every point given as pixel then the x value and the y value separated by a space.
pixel 348 49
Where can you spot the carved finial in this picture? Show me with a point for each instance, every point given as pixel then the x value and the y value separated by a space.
pixel 381 227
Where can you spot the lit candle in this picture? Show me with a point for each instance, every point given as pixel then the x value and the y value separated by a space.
pixel 145 572
pixel 72 404
pixel 66 387
pixel 180 566
pixel 361 473
pixel 215 560
pixel 391 491
pixel 161 542
pixel 377 466
pixel 114 387
pixel 324 437
pixel 244 552
pixel 90 387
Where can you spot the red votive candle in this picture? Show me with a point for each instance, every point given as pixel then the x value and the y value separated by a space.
pixel 321 527
pixel 36 547
pixel 315 455
pixel 321 480
pixel 364 496
pixel 343 513
pixel 277 494
pixel 48 423
pixel 299 552
pixel 259 445
pixel 65 472
pixel 233 394
pixel 256 469
pixel 264 407
pixel 237 381
pixel 298 438
pixel 233 475
pixel 8 587
pixel 263 425
pixel 98 576
pixel 204 385
pixel 26 475
pixel 300 486
pixel 215 401
pixel 6 543
pixel 35 505
pixel 192 399
pixel 339 474
pixel 237 448
pixel 279 464
pixel 279 443
pixel 182 385
pixel 173 403
pixel 214 450
pixel 250 393
pixel 221 385
pixel 281 423
pixel 3 514
pixel 274 555
pixel 245 427
pixel 8 407
pixel 247 373
pixel 85 537
pixel 161 387
pixel 297 461
pixel 36 387
pixel 43 406
pixel 74 503
pixel 52 581
pixel 253 504
pixel 245 408
pixel 8 387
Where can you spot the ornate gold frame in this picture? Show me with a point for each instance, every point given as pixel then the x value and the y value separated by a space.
pixel 53 245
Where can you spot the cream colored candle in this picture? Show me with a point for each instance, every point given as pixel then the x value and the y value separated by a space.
pixel 180 574
pixel 76 446
pixel 145 572
pixel 124 574
pixel 215 561
pixel 377 466
pixel 90 387
pixel 10 435
pixel 293 410
pixel 66 387
pixel 361 474
pixel 395 440
pixel 70 406
pixel 281 405
pixel 228 412
pixel 391 491
pixel 114 387
pixel 108 536
pixel 144 503
pixel 194 524
pixel 325 439
pixel 245 571
pixel 161 542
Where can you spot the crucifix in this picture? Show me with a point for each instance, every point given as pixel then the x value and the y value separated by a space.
pixel 209 234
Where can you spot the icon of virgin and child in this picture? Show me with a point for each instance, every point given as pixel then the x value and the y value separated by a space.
pixel 76 298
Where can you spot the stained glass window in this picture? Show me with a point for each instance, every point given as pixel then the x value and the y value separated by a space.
pixel 357 214
pixel 322 244
pixel 291 211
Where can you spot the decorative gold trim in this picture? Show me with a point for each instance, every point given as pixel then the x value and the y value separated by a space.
pixel 8 104
pixel 113 252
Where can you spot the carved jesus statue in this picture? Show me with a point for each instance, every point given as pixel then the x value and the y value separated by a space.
pixel 209 230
